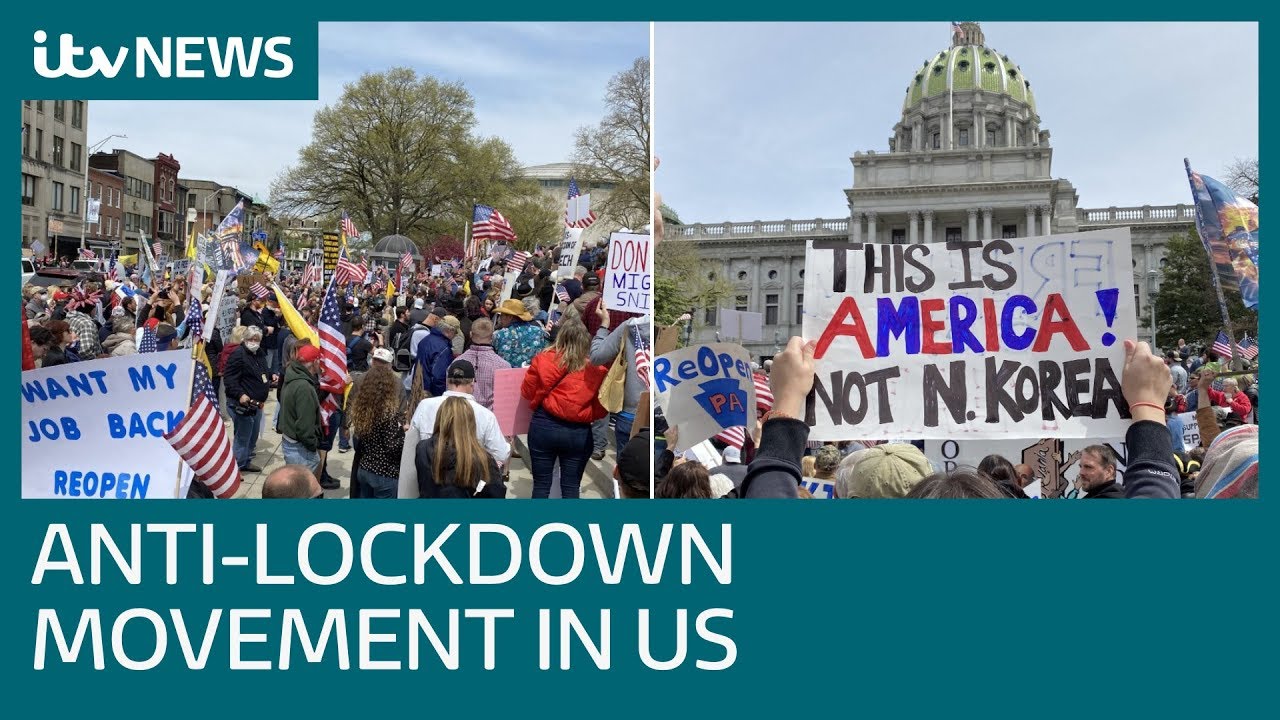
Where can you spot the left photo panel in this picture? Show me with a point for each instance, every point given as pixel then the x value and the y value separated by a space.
pixel 434 281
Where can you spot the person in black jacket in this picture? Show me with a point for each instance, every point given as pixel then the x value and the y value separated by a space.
pixel 1097 474
pixel 248 379
pixel 452 463
pixel 251 314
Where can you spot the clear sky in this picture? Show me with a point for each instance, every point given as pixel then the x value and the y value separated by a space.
pixel 533 84
pixel 758 121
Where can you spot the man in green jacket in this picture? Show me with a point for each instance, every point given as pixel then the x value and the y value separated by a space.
pixel 300 409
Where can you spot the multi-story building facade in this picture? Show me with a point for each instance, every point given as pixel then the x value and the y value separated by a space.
pixel 54 163
pixel 138 174
pixel 107 234
pixel 167 227
pixel 212 201
pixel 967 159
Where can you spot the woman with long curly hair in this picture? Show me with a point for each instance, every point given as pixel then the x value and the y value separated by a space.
pixel 452 463
pixel 377 423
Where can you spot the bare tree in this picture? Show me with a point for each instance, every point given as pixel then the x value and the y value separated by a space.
pixel 1242 176
pixel 615 153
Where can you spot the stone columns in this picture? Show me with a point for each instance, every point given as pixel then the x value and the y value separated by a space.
pixel 855 228
pixel 986 223
pixel 928 227
pixel 1031 221
pixel 913 227
pixel 917 136
pixel 973 225
pixel 1045 228
pixel 1009 122
pixel 871 227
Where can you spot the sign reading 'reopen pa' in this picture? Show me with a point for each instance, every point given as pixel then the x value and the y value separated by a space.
pixel 96 429
pixel 705 389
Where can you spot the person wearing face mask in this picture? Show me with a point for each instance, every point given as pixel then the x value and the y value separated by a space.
pixel 37 301
pixel 247 379
pixel 299 423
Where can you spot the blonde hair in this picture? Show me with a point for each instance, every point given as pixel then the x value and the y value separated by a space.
pixel 807 465
pixel 572 346
pixel 456 428
pixel 237 335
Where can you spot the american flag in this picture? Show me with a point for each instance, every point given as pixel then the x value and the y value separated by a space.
pixel 578 222
pixel 312 274
pixel 737 436
pixel 562 294
pixel 87 254
pixel 113 270
pixel 346 271
pixel 643 357
pixel 406 263
pixel 260 290
pixel 200 439
pixel 195 321
pixel 488 224
pixel 333 346
pixel 1222 345
pixel 348 228
pixel 157 249
pixel 517 260
pixel 149 343
pixel 1249 348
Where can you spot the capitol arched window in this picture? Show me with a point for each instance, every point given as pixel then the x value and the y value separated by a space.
pixel 991 137
pixel 937 141
pixel 964 137
pixel 773 274
pixel 742 274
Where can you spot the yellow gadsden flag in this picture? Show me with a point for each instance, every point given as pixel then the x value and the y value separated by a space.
pixel 391 288
pixel 266 263
pixel 293 319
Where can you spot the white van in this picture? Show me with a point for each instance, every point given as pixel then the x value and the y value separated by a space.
pixel 28 269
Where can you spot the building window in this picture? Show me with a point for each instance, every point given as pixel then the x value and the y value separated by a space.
pixel 191 199
pixel 26 103
pixel 799 308
pixel 26 140
pixel 953 234
pixel 991 138
pixel 119 196
pixel 711 317
pixel 740 303
pixel 1008 231
pixel 60 110
pixel 937 141
pixel 75 200
pixel 39 144
pixel 39 106
pixel 57 151
pixel 77 113
pixel 770 309
pixel 898 236
pixel 1022 137
pixel 801 273
pixel 1137 298
pixel 28 189
pixel 75 156
pixel 742 274
pixel 57 196
pixel 964 137
pixel 146 191
pixel 773 274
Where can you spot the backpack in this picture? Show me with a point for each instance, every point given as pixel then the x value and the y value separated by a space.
pixel 403 359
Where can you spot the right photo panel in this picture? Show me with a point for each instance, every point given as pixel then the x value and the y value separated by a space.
pixel 956 260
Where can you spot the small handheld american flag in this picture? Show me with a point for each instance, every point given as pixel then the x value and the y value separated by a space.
pixel 259 290
pixel 516 263
pixel 87 254
pixel 1249 348
pixel 347 271
pixel 562 294
pixel 348 227
pixel 1222 345
pixel 200 439
pixel 488 224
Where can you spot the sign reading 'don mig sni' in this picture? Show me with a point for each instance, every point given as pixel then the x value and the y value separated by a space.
pixel 128 58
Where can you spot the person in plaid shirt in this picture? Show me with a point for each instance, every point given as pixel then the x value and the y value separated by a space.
pixel 484 359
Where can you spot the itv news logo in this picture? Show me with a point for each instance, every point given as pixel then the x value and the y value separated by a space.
pixel 167 57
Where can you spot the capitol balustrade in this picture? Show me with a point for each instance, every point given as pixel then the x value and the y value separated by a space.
pixel 764 229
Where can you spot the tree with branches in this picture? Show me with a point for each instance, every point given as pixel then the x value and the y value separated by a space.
pixel 615 153
pixel 1242 176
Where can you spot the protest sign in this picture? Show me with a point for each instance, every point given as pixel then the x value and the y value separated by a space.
pixel 705 389
pixel 1190 430
pixel 628 276
pixel 437 270
pixel 570 248
pixel 741 325
pixel 228 313
pixel 668 340
pixel 969 339
pixel 706 454
pixel 1054 462
pixel 215 306
pixel 331 251
pixel 95 429
pixel 509 405
pixel 819 489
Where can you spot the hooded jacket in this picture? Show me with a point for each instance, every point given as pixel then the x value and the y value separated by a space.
pixel 300 406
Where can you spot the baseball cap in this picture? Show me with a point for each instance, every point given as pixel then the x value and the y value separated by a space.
pixel 417 316
pixel 461 370
pixel 383 354
pixel 308 353
pixel 451 322
pixel 732 455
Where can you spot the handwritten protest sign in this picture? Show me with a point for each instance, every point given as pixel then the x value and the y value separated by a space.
pixel 96 429
pixel 628 276
pixel 969 339
pixel 509 405
pixel 216 300
pixel 1055 463
pixel 704 389
pixel 331 251
pixel 819 489
pixel 570 248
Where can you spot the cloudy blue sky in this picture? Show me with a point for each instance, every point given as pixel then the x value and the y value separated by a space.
pixel 533 84
pixel 758 121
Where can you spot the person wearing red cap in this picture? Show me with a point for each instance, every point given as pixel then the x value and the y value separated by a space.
pixel 299 422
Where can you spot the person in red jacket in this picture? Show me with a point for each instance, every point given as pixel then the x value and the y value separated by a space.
pixel 561 386
pixel 1232 398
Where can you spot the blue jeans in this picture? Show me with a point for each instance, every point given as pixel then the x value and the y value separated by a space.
pixel 296 454
pixel 600 435
pixel 246 429
pixel 622 432
pixel 378 487
pixel 335 421
pixel 552 439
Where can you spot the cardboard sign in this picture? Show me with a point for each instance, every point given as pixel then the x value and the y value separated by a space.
pixel 668 340
pixel 981 339
pixel 509 405
pixel 628 276
pixel 1054 462
pixel 96 429
pixel 228 313
pixel 331 251
pixel 741 325
pixel 570 248
pixel 215 306
pixel 705 389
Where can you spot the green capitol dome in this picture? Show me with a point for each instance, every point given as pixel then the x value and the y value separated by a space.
pixel 965 66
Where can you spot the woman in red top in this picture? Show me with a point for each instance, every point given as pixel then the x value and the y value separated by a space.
pixel 562 387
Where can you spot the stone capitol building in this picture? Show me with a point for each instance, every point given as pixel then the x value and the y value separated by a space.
pixel 984 174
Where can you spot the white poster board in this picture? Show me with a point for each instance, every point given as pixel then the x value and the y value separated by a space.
pixel 95 429
pixel 741 325
pixel 1055 463
pixel 705 389
pixel 570 248
pixel 628 276
pixel 989 339
pixel 578 210
pixel 215 306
